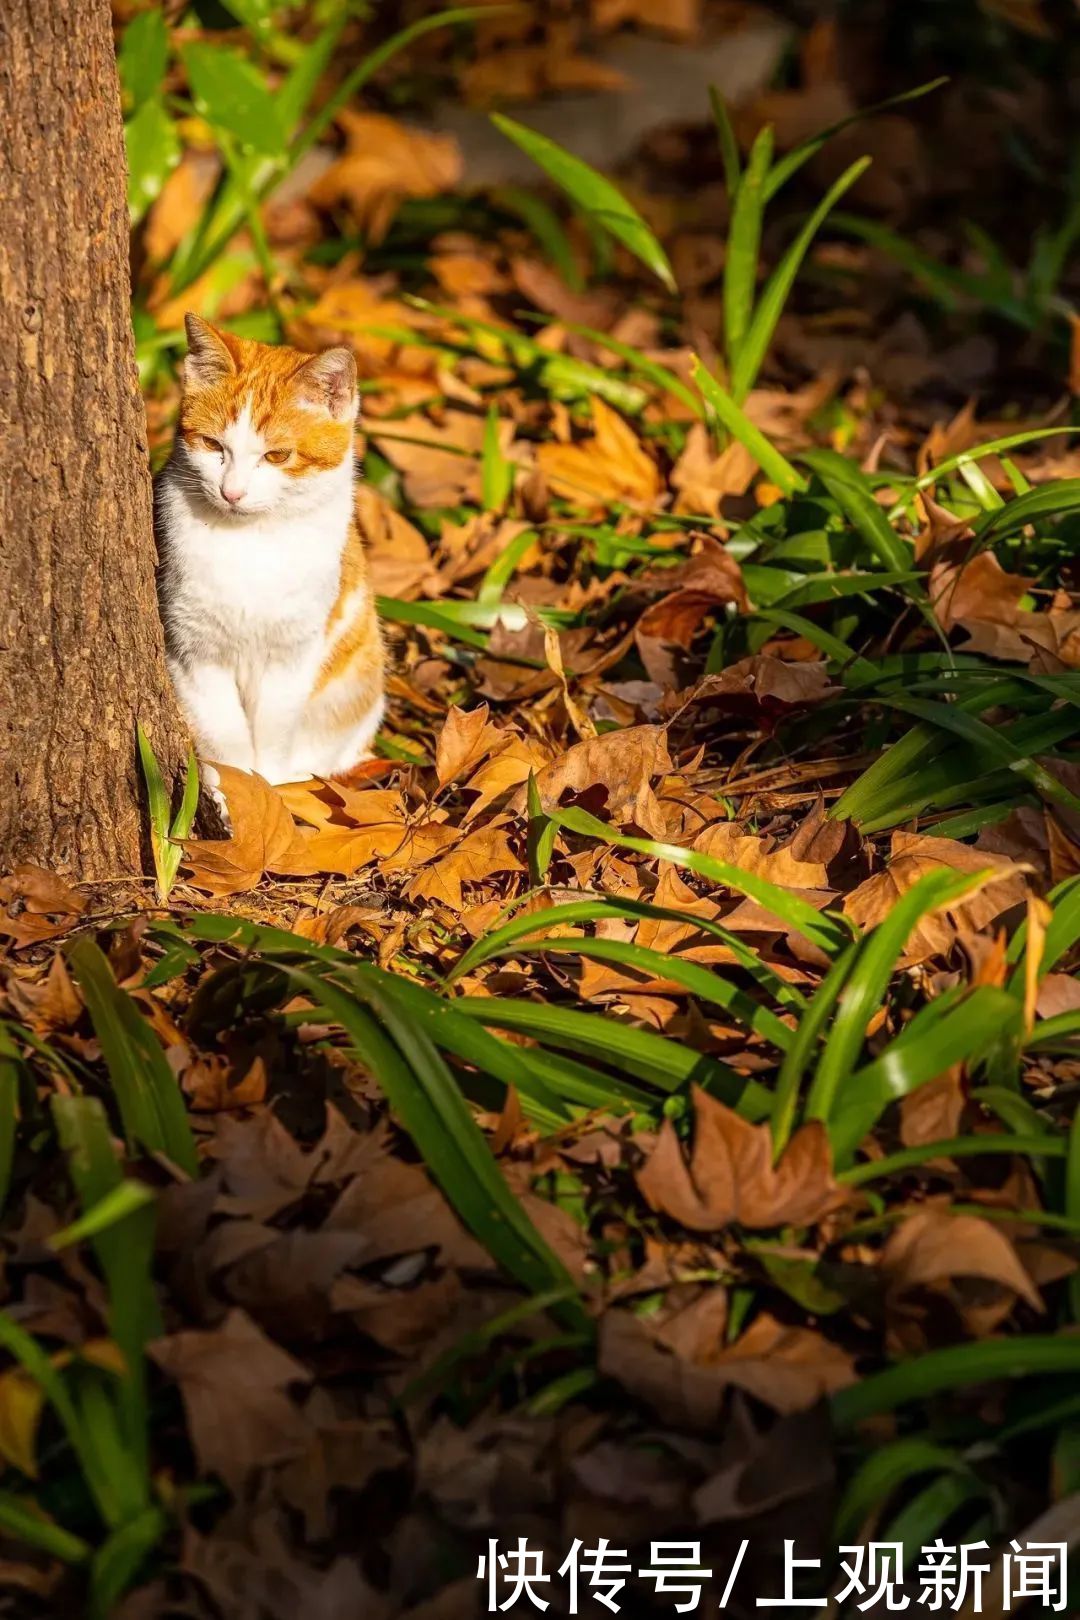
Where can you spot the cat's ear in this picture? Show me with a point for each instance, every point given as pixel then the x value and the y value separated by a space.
pixel 209 357
pixel 328 380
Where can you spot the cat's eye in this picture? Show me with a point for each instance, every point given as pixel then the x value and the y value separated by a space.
pixel 203 442
pixel 277 458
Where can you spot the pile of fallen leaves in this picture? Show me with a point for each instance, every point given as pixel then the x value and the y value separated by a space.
pixel 368 1396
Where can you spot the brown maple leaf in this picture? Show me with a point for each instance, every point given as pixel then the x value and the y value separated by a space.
pixel 731 1179
pixel 233 1382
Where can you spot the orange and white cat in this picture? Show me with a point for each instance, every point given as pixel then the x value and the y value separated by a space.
pixel 272 639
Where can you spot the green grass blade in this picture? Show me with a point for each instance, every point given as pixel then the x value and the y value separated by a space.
pixel 866 986
pixel 496 472
pixel 19 1520
pixel 544 224
pixel 422 1092
pixel 882 1473
pixel 182 823
pixel 586 1087
pixel 151 1104
pixel 1062 931
pixel 700 981
pixel 578 911
pixel 24 1349
pixel 820 928
pixel 647 1057
pixel 775 293
pixel 118 1218
pixel 233 96
pixel 593 195
pixel 992 741
pixel 502 570
pixel 99 1400
pixel 925 1515
pixel 850 664
pixel 792 161
pixel 734 421
pixel 952 1147
pixel 744 245
pixel 925 1049
pixel 661 376
pixel 991 447
pixel 853 495
pixel 432 618
pixel 125 1199
pixel 729 146
pixel 158 805
pixel 1046 501
pixel 300 83
pixel 376 60
pixel 948 285
pixel 460 1036
pixel 957 1367
pixel 119 1558
pixel 799 1055
pixel 1055 1034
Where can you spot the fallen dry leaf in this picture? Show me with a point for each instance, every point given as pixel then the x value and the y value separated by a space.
pixel 382 163
pixel 36 905
pixel 466 738
pixel 611 466
pixel 730 1177
pixel 724 841
pixel 931 1246
pixel 914 854
pixel 623 763
pixel 263 837
pixel 233 1382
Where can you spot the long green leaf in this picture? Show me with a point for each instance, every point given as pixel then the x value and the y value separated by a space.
pixel 231 93
pixel 792 161
pixel 1048 500
pixel 147 1093
pixel 957 1367
pixel 820 928
pixel 592 194
pixel 596 910
pixel 993 741
pixel 883 1472
pixel 743 245
pixel 953 1147
pixel 927 1048
pixel 19 1520
pixel 118 1218
pixel 853 496
pixel 734 420
pixel 800 1054
pixel 422 1092
pixel 775 293
pixel 700 981
pixel 119 1558
pixel 647 1057
pixel 869 978
pixel 729 146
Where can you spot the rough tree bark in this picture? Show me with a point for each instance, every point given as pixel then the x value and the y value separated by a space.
pixel 81 653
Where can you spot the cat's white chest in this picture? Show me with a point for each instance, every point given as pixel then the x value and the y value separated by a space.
pixel 258 588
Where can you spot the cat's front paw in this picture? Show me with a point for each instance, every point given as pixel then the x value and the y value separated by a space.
pixel 211 781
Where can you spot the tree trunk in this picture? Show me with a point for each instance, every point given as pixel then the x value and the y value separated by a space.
pixel 81 650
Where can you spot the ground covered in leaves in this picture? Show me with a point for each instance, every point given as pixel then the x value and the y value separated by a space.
pixel 639 1103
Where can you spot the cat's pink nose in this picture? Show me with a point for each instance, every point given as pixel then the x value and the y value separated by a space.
pixel 233 496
